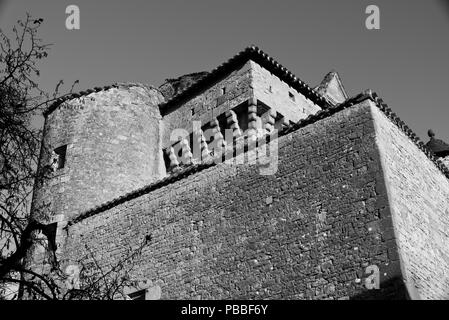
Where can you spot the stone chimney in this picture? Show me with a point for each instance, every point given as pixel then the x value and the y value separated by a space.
pixel 332 88
pixel 439 148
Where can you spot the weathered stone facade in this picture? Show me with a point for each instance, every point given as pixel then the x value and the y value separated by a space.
pixel 419 201
pixel 209 104
pixel 279 96
pixel 352 200
pixel 229 232
pixel 112 147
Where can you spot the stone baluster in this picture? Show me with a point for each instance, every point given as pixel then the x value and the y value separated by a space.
pixel 233 124
pixel 205 153
pixel 253 120
pixel 285 123
pixel 174 163
pixel 219 142
pixel 186 152
pixel 270 120
pixel 196 145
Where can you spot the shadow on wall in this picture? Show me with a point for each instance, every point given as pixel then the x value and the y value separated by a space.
pixel 392 289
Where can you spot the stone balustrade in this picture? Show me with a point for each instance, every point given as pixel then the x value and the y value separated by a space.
pixel 213 143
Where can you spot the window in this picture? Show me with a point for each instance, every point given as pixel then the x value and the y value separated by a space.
pixel 291 95
pixel 46 238
pixel 223 90
pixel 51 230
pixel 192 111
pixel 60 156
pixel 138 295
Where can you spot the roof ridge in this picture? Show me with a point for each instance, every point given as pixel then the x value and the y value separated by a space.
pixel 250 52
pixel 255 53
pixel 408 132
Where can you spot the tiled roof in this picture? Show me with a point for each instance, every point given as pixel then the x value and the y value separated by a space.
pixel 367 95
pixel 71 96
pixel 403 126
pixel 250 53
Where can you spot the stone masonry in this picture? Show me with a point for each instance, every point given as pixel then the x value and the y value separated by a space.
pixel 446 161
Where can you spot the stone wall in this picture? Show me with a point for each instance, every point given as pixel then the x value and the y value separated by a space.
pixel 113 147
pixel 249 82
pixel 419 200
pixel 279 96
pixel 446 161
pixel 209 104
pixel 309 231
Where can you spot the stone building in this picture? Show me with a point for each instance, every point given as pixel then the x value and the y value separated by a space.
pixel 354 205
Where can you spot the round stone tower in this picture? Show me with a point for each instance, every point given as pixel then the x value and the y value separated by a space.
pixel 98 145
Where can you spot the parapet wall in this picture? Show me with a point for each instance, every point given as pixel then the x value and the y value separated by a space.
pixel 310 231
pixel 419 198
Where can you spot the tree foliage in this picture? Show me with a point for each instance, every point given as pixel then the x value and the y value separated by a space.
pixel 21 101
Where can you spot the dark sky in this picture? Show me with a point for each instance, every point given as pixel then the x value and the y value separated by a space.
pixel 406 61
